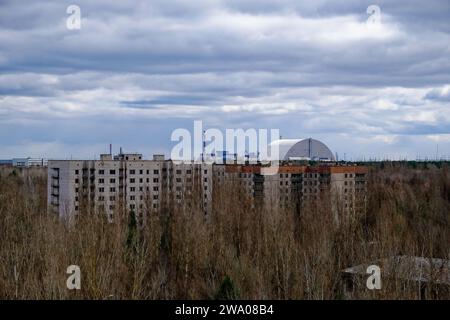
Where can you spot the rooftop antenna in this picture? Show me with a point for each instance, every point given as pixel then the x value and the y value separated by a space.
pixel 203 146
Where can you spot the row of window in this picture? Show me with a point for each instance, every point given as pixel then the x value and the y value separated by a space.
pixel 132 180
pixel 133 198
pixel 141 180
pixel 133 171
pixel 133 189
pixel 113 171
pixel 132 206
pixel 113 198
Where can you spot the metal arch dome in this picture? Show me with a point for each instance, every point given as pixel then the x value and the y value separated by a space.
pixel 302 149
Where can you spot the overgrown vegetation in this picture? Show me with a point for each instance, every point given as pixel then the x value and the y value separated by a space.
pixel 236 252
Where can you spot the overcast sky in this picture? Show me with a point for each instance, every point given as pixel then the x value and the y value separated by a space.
pixel 137 70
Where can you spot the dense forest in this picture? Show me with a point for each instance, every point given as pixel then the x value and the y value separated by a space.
pixel 238 252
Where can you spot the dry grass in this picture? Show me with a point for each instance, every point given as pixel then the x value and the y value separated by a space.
pixel 237 252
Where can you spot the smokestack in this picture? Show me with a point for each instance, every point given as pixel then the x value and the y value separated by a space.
pixel 110 149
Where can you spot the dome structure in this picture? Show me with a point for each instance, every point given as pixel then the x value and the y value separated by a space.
pixel 301 149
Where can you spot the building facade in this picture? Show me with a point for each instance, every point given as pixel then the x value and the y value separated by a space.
pixel 127 181
pixel 29 162
pixel 296 185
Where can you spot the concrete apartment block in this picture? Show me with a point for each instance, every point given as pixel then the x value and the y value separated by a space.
pixel 296 185
pixel 128 181
pixel 125 180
